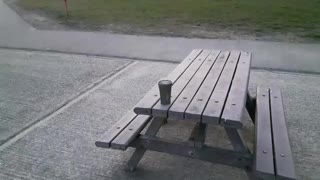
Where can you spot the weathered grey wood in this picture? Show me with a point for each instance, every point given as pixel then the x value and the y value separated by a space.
pixel 112 133
pixel 239 145
pixel 213 110
pixel 196 107
pixel 264 166
pixel 152 97
pixel 206 153
pixel 281 144
pixel 178 108
pixel 139 152
pixel 235 105
pixel 198 135
pixel 130 132
pixel 236 140
pixel 162 110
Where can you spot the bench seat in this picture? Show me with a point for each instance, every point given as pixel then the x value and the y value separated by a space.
pixel 273 157
pixel 123 132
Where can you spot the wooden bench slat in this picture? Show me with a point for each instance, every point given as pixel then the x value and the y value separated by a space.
pixel 178 108
pixel 217 100
pixel 264 166
pixel 152 97
pixel 162 110
pixel 114 131
pixel 123 140
pixel 237 96
pixel 195 109
pixel 282 151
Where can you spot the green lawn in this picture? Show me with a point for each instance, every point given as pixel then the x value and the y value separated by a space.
pixel 301 17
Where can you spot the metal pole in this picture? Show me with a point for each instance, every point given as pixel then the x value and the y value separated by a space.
pixel 66 7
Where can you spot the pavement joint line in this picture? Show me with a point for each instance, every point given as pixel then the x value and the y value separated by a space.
pixel 65 105
pixel 93 55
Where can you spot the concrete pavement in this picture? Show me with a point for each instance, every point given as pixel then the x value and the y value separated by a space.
pixel 267 55
pixel 11 22
pixel 61 144
pixel 33 85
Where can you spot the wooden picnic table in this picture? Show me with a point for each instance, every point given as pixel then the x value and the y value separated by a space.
pixel 210 87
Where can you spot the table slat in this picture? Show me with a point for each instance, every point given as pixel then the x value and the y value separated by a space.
pixel 162 110
pixel 152 97
pixel 218 98
pixel 177 109
pixel 195 109
pixel 237 96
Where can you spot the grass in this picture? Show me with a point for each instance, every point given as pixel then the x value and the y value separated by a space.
pixel 301 17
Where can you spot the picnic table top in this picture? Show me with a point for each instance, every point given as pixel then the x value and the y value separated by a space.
pixel 209 86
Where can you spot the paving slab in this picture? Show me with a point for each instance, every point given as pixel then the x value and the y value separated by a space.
pixel 34 84
pixel 63 146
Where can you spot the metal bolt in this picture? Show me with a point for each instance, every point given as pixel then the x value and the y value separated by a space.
pixel 130 129
pixel 184 97
pixel 282 155
pixel 233 104
pixel 264 152
pixel 200 99
pixel 216 101
pixel 155 95
pixel 275 97
pixel 118 127
pixel 263 95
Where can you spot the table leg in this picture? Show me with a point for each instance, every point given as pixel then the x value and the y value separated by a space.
pixel 239 144
pixel 153 129
pixel 198 135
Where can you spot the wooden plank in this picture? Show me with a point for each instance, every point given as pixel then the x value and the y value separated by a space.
pixel 178 108
pixel 112 133
pixel 264 166
pixel 162 110
pixel 215 105
pixel 237 96
pixel 281 144
pixel 196 107
pixel 152 97
pixel 152 130
pixel 206 153
pixel 123 140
